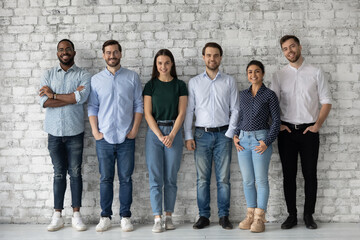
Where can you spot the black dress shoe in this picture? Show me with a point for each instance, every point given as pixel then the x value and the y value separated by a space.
pixel 225 223
pixel 290 222
pixel 201 223
pixel 309 222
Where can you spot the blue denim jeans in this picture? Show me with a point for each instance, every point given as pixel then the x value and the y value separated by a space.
pixel 212 146
pixel 123 155
pixel 163 164
pixel 66 156
pixel 254 168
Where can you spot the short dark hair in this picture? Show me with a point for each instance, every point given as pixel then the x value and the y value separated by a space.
pixel 66 40
pixel 287 37
pixel 164 52
pixel 213 45
pixel 111 42
pixel 256 63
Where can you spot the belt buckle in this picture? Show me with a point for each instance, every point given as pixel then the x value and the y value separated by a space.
pixel 296 127
pixel 206 129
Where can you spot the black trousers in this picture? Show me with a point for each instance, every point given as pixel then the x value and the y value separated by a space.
pixel 307 145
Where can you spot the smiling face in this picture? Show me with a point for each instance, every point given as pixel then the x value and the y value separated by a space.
pixel 212 58
pixel 163 65
pixel 66 53
pixel 112 55
pixel 291 50
pixel 255 75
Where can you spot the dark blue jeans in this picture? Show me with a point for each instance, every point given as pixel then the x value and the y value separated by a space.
pixel 123 155
pixel 66 156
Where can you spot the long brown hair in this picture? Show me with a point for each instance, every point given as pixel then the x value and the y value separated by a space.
pixel 164 52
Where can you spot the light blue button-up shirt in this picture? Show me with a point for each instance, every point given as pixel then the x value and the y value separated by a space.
pixel 114 100
pixel 67 120
pixel 214 102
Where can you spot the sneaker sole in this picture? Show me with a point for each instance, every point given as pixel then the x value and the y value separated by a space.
pixel 102 230
pixel 127 230
pixel 157 231
pixel 55 229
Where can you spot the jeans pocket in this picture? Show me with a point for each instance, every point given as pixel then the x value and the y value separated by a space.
pixel 260 136
pixel 199 133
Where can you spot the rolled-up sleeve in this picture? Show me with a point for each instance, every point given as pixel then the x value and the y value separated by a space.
pixel 323 88
pixel 83 95
pixel 93 101
pixel 44 81
pixel 138 101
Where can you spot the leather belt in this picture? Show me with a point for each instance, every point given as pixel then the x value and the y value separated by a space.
pixel 165 123
pixel 216 129
pixel 297 126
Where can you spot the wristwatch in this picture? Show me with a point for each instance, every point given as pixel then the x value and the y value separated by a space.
pixel 54 96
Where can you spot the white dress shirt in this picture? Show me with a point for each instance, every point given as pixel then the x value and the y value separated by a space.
pixel 300 93
pixel 214 102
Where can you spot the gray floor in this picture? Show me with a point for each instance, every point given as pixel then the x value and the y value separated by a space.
pixel 338 231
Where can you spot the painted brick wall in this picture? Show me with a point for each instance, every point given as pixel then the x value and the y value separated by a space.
pixel 247 29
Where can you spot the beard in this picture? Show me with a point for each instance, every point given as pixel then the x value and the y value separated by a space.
pixel 296 57
pixel 68 62
pixel 213 67
pixel 114 64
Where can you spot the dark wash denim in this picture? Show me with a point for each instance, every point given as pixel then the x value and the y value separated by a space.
pixel 123 155
pixel 66 156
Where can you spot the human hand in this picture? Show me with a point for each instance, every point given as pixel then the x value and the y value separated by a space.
pixel 284 127
pixel 237 143
pixel 98 135
pixel 314 128
pixel 45 90
pixel 190 144
pixel 80 88
pixel 261 148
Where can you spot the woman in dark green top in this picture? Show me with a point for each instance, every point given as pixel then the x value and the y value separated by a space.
pixel 165 100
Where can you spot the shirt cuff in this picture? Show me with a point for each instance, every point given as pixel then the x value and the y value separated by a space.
pixel 188 135
pixel 42 100
pixel 230 133
pixel 77 96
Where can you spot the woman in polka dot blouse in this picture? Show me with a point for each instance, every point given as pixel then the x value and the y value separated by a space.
pixel 253 141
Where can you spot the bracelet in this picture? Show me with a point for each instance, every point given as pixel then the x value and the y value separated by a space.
pixel 54 96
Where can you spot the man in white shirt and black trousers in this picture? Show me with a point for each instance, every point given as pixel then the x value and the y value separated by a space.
pixel 305 102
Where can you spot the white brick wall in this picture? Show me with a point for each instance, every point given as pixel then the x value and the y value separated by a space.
pixel 30 29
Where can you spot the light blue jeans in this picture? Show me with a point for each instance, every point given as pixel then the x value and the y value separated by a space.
pixel 254 168
pixel 163 164
pixel 212 146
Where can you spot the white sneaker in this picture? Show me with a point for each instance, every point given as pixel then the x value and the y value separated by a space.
pixel 126 224
pixel 57 222
pixel 158 227
pixel 168 224
pixel 77 222
pixel 103 225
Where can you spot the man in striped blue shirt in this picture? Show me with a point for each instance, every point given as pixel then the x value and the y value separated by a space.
pixel 63 91
pixel 115 110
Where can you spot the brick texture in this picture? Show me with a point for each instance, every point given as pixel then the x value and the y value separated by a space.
pixel 30 29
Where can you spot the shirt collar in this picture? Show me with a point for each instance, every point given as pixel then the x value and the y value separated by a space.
pixel 110 74
pixel 216 77
pixel 262 88
pixel 302 65
pixel 73 68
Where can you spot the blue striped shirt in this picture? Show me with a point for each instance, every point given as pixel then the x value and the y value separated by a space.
pixel 67 120
pixel 114 99
pixel 255 112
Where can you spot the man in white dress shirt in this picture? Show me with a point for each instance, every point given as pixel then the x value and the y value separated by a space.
pixel 214 98
pixel 305 102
